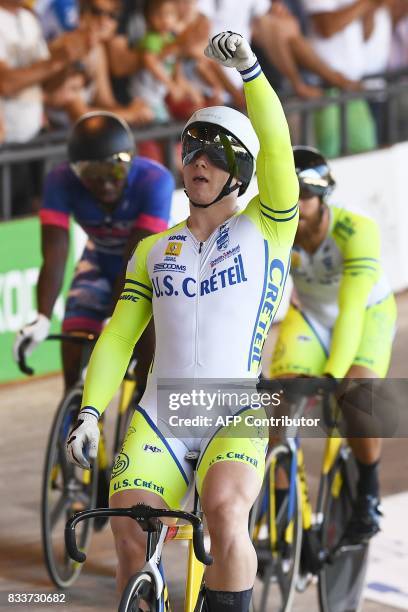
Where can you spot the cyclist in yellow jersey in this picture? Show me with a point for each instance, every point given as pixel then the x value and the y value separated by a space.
pixel 213 284
pixel 344 322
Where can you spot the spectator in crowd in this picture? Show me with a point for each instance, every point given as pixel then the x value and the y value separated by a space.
pixel 277 32
pixel 280 35
pixel 123 54
pixel 100 18
pixel 162 81
pixel 190 37
pixel 60 93
pixel 26 64
pixel 190 41
pixel 340 30
pixel 223 15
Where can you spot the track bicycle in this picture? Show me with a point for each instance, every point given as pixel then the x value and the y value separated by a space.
pixel 148 585
pixel 294 543
pixel 66 489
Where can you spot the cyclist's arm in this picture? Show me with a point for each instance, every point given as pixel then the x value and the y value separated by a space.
pixel 54 216
pixel 112 353
pixel 14 80
pixel 361 272
pixel 278 185
pixel 54 246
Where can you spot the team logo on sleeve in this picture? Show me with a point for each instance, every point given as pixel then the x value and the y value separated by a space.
pixel 173 248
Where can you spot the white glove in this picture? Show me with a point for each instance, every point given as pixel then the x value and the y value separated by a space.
pixel 231 50
pixel 35 332
pixel 83 440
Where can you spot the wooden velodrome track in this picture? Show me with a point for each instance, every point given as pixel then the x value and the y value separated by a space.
pixel 26 410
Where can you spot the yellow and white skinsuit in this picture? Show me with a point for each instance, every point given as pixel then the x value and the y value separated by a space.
pixel 347 312
pixel 212 303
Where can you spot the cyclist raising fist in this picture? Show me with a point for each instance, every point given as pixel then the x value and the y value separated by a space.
pixel 214 283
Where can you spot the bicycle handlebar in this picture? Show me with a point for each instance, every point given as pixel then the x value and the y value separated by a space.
pixel 22 364
pixel 142 514
pixel 304 386
pixel 76 339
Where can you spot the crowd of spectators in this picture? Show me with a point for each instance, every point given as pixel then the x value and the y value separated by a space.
pixel 143 59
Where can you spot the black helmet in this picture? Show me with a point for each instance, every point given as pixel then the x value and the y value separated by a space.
pixel 313 171
pixel 99 135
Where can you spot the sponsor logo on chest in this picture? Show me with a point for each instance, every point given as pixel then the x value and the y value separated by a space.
pixel 173 248
pixel 170 285
pixel 223 237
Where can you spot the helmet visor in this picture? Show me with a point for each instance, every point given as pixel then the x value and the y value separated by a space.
pixel 221 148
pixel 95 173
pixel 312 183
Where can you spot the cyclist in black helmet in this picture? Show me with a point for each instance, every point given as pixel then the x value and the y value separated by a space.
pixel 118 199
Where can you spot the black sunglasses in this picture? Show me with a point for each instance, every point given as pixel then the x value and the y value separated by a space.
pixel 98 12
pixel 221 147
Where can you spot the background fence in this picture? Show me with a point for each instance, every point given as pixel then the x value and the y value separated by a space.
pixel 390 95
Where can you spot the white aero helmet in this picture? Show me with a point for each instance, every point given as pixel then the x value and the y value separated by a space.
pixel 227 137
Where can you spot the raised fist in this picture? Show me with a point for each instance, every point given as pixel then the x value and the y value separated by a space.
pixel 231 50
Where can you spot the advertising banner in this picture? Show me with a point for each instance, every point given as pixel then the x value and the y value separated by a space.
pixel 20 261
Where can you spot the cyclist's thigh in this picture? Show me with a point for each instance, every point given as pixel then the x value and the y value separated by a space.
pixel 302 346
pixel 150 462
pixel 374 351
pixel 244 442
pixel 90 295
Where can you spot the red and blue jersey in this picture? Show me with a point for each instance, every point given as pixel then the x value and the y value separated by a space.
pixel 144 204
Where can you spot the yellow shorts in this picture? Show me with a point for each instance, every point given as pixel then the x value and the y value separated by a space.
pixel 152 462
pixel 303 343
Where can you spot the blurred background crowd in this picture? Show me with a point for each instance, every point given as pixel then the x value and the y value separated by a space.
pixel 143 59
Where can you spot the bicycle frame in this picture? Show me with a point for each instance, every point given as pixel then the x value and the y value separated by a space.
pixel 330 454
pixel 157 534
pixel 298 474
pixel 306 540
pixel 195 569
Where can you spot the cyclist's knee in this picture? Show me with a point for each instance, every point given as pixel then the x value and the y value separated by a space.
pixel 230 489
pixel 225 517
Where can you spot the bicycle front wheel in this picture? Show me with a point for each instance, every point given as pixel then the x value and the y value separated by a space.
pixel 277 538
pixel 341 582
pixel 66 489
pixel 140 588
